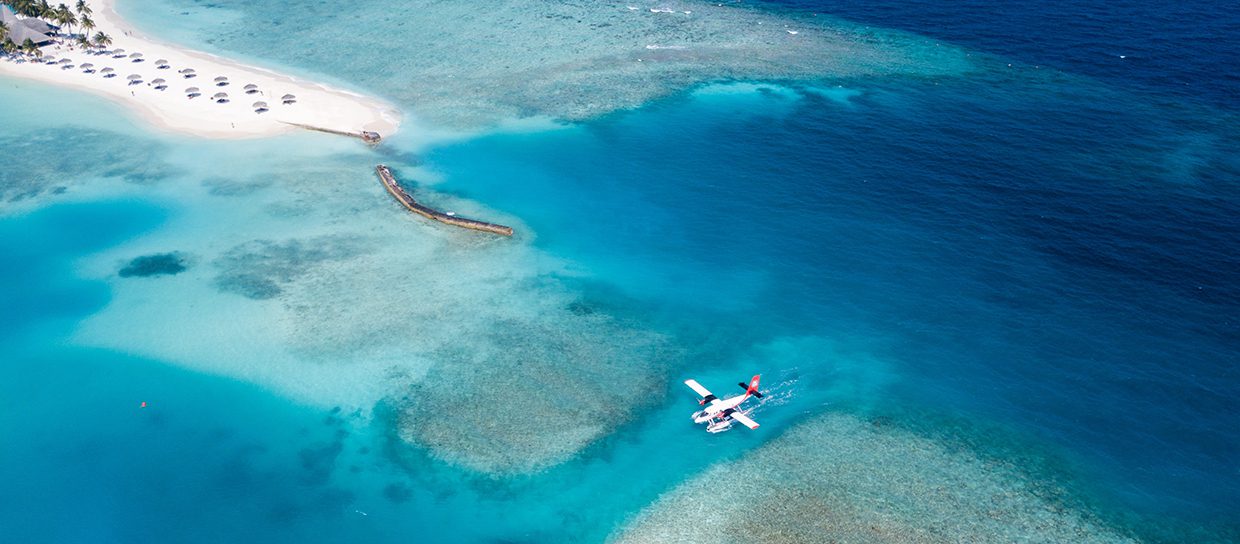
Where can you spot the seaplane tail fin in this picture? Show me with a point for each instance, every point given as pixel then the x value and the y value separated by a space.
pixel 744 419
pixel 751 388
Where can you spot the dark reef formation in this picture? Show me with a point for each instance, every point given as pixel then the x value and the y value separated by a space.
pixel 159 264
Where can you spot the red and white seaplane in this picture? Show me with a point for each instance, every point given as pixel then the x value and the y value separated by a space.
pixel 720 413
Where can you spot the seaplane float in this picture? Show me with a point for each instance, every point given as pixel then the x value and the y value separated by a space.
pixel 718 414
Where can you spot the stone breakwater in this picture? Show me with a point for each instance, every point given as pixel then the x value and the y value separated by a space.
pixel 407 200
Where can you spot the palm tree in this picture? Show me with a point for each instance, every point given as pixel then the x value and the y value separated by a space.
pixel 52 16
pixel 63 17
pixel 83 40
pixel 102 40
pixel 83 8
pixel 6 43
pixel 45 10
pixel 23 7
pixel 70 19
pixel 86 23
pixel 30 48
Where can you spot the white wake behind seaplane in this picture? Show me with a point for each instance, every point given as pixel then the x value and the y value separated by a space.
pixel 718 413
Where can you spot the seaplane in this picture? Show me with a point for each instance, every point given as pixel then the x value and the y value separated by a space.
pixel 718 414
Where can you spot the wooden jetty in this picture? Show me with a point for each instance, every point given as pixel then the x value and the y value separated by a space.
pixel 389 182
pixel 365 135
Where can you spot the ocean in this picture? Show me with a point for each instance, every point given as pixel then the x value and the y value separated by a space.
pixel 1000 237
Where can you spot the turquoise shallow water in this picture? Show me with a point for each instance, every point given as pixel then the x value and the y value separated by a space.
pixel 210 459
pixel 1022 265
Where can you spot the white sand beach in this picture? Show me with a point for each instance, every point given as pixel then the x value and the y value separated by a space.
pixel 168 105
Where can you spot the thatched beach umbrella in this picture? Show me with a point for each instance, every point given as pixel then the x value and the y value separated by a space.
pixel 251 88
pixel 192 92
pixel 159 83
pixel 136 57
pixel 87 67
pixel 162 64
pixel 65 60
pixel 107 72
pixel 186 71
pixel 134 79
pixel 288 98
pixel 259 107
pixel 220 97
pixel 221 81
pixel 118 53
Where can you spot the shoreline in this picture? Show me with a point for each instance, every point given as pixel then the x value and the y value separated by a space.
pixel 316 104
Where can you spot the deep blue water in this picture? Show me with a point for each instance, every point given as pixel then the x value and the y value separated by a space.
pixel 1053 251
pixel 1182 51
pixel 1032 258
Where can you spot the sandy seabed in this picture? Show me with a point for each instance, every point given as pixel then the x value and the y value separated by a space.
pixel 840 478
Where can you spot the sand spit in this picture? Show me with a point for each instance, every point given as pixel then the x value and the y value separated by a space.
pixel 169 105
pixel 842 479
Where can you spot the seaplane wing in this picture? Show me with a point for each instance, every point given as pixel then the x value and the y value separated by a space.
pixel 744 419
pixel 697 387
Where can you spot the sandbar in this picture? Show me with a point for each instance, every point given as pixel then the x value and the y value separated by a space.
pixel 171 107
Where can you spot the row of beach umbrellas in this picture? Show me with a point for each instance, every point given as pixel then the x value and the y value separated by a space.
pixel 119 53
pixel 162 84
pixel 222 97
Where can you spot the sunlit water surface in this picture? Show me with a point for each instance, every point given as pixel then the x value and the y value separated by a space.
pixel 1023 277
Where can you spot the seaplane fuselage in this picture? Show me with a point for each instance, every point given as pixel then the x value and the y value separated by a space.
pixel 716 407
pixel 719 413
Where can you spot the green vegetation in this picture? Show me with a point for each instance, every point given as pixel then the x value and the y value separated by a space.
pixel 62 17
pixel 31 8
pixel 31 49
